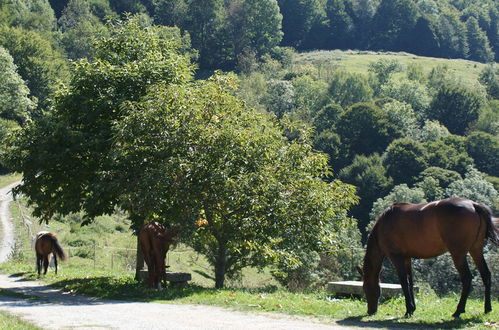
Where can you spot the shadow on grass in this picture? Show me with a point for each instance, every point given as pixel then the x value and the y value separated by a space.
pixel 126 289
pixel 398 323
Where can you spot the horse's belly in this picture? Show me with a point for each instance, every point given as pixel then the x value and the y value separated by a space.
pixel 423 249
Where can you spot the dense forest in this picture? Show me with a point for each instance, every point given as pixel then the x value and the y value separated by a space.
pixel 398 131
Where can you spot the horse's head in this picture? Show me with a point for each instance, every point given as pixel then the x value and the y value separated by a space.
pixel 372 290
pixel 173 234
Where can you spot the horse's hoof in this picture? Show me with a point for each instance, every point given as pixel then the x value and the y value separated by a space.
pixel 456 315
pixel 408 315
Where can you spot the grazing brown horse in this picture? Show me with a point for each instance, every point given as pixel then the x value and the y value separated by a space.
pixel 46 244
pixel 404 231
pixel 155 240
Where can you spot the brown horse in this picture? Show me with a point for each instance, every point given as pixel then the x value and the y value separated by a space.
pixel 46 244
pixel 404 231
pixel 155 240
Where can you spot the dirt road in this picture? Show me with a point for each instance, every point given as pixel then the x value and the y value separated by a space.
pixel 58 310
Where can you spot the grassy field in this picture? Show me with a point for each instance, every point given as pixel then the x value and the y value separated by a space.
pixel 358 61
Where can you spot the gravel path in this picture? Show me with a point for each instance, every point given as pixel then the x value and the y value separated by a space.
pixel 58 310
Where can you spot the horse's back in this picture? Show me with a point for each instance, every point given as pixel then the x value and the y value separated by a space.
pixel 428 230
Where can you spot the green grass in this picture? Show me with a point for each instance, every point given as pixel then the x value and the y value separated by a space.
pixel 12 322
pixel 358 61
pixel 7 179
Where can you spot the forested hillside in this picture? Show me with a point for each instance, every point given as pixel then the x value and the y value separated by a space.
pixel 84 86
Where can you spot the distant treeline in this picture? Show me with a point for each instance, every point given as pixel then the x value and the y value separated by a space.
pixel 227 32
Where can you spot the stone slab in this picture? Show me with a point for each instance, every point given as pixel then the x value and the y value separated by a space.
pixel 355 288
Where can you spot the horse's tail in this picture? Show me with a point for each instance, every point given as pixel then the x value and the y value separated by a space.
pixel 57 248
pixel 492 223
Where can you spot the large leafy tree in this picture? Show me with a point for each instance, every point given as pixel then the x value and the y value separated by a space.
pixel 198 154
pixel 65 157
pixel 133 131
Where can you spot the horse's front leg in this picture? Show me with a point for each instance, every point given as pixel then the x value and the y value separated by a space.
pixel 464 272
pixel 408 265
pixel 400 263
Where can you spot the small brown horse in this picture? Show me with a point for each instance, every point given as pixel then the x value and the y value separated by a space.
pixel 404 231
pixel 155 240
pixel 46 244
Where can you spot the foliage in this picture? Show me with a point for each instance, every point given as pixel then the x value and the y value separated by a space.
pixel 326 118
pixel 30 14
pixel 399 194
pixel 442 176
pixel 80 26
pixel 404 160
pixel 411 92
pixel 280 97
pixel 42 69
pixel 478 43
pixel 383 69
pixel 475 187
pixel 14 101
pixel 448 153
pixel 347 88
pixel 402 117
pixel 364 128
pixel 432 130
pixel 484 148
pixel 369 175
pixel 456 108
pixel 490 78
pixel 261 200
pixel 76 174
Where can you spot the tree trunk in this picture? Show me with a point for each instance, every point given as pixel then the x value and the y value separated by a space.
pixel 221 265
pixel 140 260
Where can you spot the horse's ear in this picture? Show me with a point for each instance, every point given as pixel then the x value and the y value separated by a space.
pixel 361 272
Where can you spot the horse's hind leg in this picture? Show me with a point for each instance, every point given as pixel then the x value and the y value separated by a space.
pixel 39 263
pixel 461 265
pixel 45 264
pixel 55 262
pixel 477 255
pixel 405 278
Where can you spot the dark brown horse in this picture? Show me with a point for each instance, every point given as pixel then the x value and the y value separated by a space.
pixel 404 231
pixel 155 240
pixel 46 244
